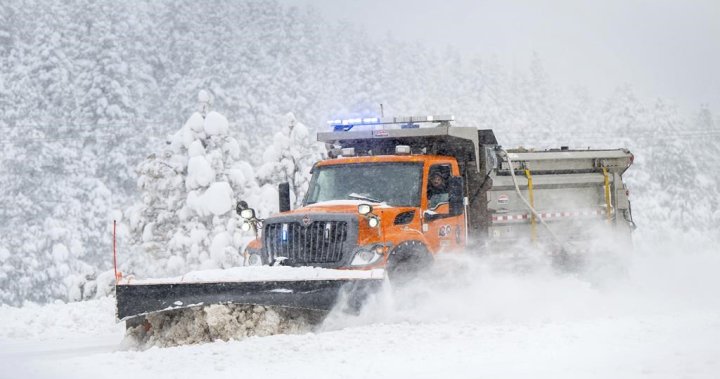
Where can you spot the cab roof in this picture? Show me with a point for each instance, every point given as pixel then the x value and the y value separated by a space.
pixel 462 143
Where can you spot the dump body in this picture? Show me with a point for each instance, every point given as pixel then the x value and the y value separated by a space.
pixel 578 194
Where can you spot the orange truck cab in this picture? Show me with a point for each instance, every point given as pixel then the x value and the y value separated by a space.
pixel 361 211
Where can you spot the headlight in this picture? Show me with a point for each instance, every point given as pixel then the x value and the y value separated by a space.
pixel 245 226
pixel 364 209
pixel 373 222
pixel 365 256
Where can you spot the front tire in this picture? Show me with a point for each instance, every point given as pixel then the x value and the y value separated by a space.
pixel 407 261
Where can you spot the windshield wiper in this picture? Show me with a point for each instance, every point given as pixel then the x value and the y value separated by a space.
pixel 363 197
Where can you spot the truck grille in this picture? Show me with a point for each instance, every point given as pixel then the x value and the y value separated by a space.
pixel 318 242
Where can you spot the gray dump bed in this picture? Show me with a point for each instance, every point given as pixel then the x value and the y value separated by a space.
pixel 578 194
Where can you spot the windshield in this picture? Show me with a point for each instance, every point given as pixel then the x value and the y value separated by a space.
pixel 396 184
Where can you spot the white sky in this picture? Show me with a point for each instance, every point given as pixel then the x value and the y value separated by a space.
pixel 663 48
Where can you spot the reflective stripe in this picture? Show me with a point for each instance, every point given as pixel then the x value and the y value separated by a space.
pixel 520 217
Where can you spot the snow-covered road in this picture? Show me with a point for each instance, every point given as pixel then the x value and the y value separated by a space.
pixel 661 321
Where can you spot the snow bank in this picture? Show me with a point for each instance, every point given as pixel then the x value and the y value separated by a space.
pixel 218 322
pixel 59 320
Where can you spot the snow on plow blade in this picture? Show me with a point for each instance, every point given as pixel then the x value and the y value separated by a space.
pixel 321 294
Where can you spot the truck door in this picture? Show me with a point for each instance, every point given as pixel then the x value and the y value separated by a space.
pixel 443 231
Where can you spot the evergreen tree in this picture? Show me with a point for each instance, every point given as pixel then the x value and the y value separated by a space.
pixel 185 220
pixel 290 158
pixel 705 140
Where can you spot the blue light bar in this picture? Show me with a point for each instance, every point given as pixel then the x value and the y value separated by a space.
pixel 347 124
pixel 355 121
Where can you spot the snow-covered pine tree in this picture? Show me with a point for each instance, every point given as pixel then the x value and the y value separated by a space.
pixel 185 219
pixel 705 139
pixel 6 66
pixel 538 99
pixel 672 171
pixel 290 158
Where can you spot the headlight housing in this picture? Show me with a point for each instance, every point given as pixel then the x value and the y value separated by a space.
pixel 367 255
pixel 247 214
pixel 364 209
pixel 254 260
pixel 253 257
pixel 373 221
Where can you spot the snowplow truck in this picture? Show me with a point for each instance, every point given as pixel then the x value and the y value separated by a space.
pixel 394 194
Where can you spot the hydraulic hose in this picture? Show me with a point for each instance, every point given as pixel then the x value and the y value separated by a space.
pixel 557 239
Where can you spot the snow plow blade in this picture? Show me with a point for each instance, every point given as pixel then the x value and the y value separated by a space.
pixel 136 300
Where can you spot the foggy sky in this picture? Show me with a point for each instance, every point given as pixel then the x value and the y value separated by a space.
pixel 663 48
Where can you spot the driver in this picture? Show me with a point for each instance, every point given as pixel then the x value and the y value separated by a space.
pixel 437 190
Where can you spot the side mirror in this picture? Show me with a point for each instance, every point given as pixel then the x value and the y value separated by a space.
pixel 432 216
pixel 455 195
pixel 244 211
pixel 284 197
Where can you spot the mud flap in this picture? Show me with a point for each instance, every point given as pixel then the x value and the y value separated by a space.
pixel 135 300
